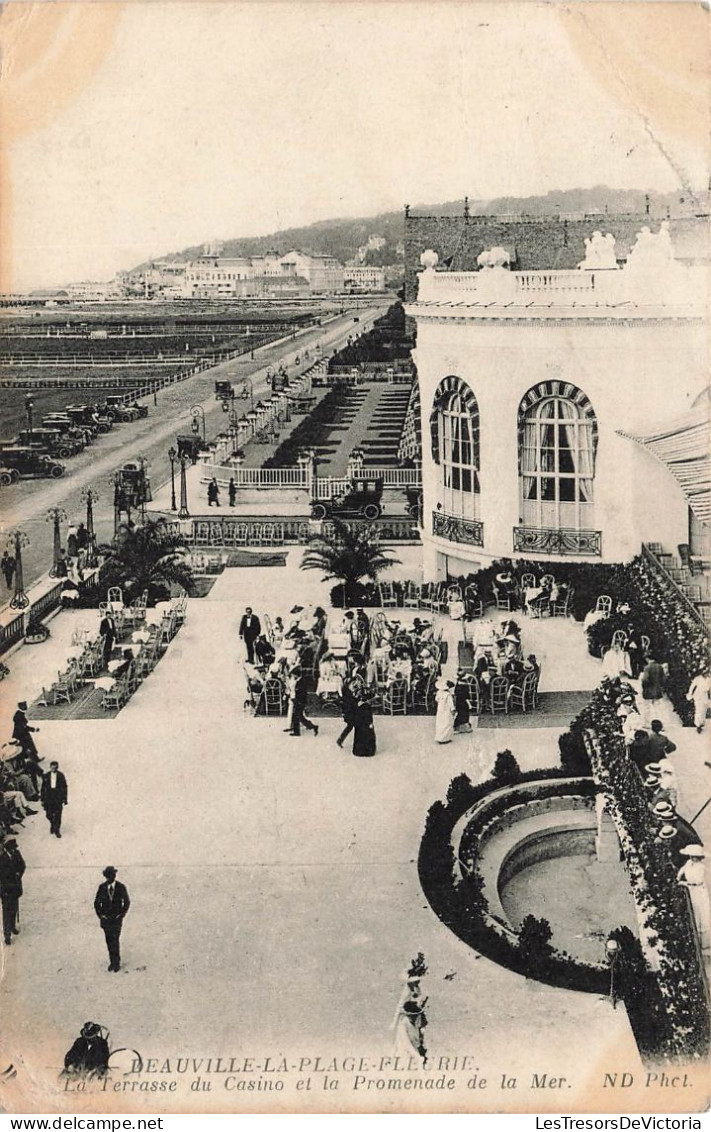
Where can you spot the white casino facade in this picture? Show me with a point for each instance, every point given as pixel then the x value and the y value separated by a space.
pixel 539 391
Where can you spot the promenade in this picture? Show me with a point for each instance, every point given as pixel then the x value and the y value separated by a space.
pixel 275 896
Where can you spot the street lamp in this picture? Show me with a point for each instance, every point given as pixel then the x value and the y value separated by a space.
pixel 90 497
pixel 198 414
pixel 29 408
pixel 172 456
pixel 183 513
pixel 56 515
pixel 247 390
pixel 18 539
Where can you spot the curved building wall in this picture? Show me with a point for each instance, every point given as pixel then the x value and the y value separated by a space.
pixel 633 373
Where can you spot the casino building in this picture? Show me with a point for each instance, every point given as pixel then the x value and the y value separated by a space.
pixel 564 411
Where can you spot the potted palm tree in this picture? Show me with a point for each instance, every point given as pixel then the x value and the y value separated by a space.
pixel 347 553
pixel 148 558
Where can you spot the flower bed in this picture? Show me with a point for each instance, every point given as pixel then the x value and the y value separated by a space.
pixel 455 893
pixel 666 924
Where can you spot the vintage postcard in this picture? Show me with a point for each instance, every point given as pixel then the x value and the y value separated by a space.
pixel 355 389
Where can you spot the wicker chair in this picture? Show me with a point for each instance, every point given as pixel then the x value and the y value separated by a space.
pixel 498 695
pixel 395 698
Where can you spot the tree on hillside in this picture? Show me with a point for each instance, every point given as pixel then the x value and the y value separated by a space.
pixel 347 553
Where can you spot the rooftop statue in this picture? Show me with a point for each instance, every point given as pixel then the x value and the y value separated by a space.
pixel 494 257
pixel 429 260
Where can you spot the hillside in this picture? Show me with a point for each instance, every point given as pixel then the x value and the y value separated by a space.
pixel 342 237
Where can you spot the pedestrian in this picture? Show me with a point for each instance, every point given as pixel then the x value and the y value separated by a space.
pixel 462 704
pixel 111 905
pixel 82 537
pixel 61 570
pixel 350 690
pixel 444 723
pixel 72 544
pixel 299 694
pixel 364 741
pixel 232 491
pixel 89 1055
pixel 653 680
pixel 7 565
pixel 22 731
pixel 250 628
pixel 660 744
pixel 12 867
pixel 213 493
pixel 699 694
pixel 107 630
pixel 53 797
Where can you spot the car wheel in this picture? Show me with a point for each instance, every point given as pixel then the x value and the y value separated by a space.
pixel 64 453
pixel 5 479
pixel 371 511
pixel 318 511
pixel 56 471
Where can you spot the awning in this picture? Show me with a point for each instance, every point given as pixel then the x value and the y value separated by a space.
pixel 684 445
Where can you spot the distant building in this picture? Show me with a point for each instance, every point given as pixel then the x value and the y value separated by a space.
pixel 323 273
pixel 217 277
pixel 363 279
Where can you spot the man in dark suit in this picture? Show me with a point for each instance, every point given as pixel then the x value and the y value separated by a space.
pixel 22 731
pixel 300 690
pixel 111 905
pixel 249 630
pixel 12 867
pixel 53 797
pixel 107 629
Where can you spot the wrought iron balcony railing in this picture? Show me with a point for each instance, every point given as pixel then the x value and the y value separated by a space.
pixel 455 529
pixel 562 540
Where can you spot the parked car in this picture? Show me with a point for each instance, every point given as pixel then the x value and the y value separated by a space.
pixel 66 426
pixel 29 463
pixel 414 501
pixel 362 499
pixel 114 409
pixel 51 441
pixel 89 415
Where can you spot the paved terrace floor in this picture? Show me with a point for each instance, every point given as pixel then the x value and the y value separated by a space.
pixel 274 886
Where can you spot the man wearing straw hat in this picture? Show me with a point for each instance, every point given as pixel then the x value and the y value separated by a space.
pixel 692 876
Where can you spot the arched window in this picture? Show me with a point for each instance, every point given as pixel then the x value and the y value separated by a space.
pixel 557 447
pixel 454 428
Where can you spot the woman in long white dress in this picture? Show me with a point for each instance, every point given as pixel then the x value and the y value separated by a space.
pixel 444 723
pixel 616 663
pixel 692 875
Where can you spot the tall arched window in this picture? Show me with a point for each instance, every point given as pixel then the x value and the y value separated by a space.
pixel 557 446
pixel 454 427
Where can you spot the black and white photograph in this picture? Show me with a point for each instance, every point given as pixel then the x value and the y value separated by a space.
pixel 354 388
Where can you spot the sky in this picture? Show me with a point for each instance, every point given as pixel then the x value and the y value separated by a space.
pixel 138 129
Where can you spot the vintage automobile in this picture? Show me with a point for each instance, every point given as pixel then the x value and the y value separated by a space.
pixel 360 500
pixel 114 409
pixel 414 501
pixel 115 406
pixel 90 416
pixel 224 391
pixel 190 446
pixel 8 475
pixel 67 427
pixel 28 462
pixel 51 441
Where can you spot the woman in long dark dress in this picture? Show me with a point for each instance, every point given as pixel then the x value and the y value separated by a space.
pixel 364 731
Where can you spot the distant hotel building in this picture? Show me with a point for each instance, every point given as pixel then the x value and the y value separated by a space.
pixel 363 280
pixel 564 410
pixel 213 276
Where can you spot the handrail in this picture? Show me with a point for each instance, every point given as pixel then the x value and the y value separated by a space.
pixel 658 568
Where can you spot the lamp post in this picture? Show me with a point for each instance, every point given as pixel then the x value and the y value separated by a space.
pixel 172 456
pixel 248 390
pixel 20 600
pixel 612 954
pixel 198 414
pixel 90 497
pixel 56 515
pixel 183 513
pixel 29 409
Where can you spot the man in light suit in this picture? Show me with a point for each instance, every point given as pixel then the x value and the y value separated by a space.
pixel 53 797
pixel 249 630
pixel 111 905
